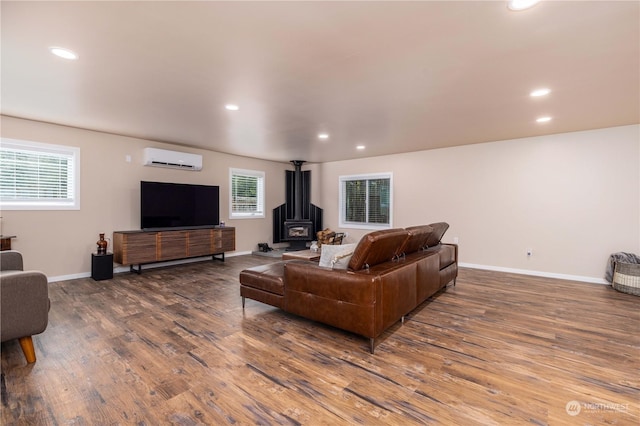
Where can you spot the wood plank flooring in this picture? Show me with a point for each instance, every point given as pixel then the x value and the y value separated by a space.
pixel 173 346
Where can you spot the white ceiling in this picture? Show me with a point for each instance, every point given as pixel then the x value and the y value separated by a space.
pixel 394 76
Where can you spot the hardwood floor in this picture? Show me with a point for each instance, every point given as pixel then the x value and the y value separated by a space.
pixel 173 346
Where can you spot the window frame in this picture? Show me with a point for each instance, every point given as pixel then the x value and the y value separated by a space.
pixel 342 223
pixel 260 175
pixel 72 152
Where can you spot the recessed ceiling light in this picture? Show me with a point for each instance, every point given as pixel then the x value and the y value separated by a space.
pixel 521 4
pixel 543 119
pixel 323 136
pixel 232 107
pixel 63 53
pixel 360 147
pixel 540 92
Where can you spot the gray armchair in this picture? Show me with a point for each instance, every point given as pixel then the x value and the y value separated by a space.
pixel 24 302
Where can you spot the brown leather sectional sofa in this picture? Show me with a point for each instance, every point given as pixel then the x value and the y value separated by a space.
pixel 390 273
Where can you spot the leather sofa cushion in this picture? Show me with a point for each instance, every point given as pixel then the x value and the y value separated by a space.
pixel 418 236
pixel 377 247
pixel 439 228
pixel 262 296
pixel 268 278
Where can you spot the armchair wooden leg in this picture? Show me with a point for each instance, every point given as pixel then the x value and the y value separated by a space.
pixel 26 343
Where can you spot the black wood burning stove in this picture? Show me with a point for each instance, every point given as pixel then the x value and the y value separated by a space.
pixel 297 221
pixel 298 232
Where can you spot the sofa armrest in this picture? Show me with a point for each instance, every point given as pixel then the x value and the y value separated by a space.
pixel 24 304
pixel 11 260
pixel 455 248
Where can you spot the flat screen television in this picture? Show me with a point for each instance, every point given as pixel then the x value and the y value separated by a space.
pixel 178 205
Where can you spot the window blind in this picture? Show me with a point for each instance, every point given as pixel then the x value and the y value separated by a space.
pixel 247 193
pixel 356 200
pixel 365 201
pixel 378 190
pixel 34 175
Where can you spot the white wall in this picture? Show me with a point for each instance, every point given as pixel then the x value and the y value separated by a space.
pixel 60 243
pixel 573 198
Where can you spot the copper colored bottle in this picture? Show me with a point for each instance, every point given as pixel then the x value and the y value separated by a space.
pixel 102 245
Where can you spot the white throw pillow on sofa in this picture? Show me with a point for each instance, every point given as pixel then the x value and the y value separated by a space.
pixel 336 257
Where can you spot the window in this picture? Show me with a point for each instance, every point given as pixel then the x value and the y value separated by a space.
pixel 365 201
pixel 247 194
pixel 37 176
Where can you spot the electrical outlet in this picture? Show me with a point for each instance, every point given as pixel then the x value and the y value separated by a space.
pixel 529 252
pixel 455 240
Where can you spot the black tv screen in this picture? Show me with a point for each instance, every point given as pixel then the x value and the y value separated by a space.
pixel 177 205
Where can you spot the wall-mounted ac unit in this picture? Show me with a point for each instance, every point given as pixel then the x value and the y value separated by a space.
pixel 172 159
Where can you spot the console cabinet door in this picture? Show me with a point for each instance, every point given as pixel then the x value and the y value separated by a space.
pixel 173 245
pixel 224 239
pixel 199 243
pixel 228 239
pixel 136 248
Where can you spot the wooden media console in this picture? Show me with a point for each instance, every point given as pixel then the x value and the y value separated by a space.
pixel 142 247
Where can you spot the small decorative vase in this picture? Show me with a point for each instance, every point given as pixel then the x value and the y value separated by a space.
pixel 102 245
pixel 314 246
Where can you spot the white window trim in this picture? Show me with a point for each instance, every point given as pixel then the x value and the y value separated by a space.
pixel 261 196
pixel 74 152
pixel 358 225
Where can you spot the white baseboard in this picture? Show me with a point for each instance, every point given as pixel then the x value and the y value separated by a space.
pixel 120 269
pixel 69 277
pixel 592 280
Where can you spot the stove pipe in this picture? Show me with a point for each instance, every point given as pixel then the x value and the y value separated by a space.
pixel 297 189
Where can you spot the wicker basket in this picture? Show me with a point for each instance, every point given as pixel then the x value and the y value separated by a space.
pixel 626 278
